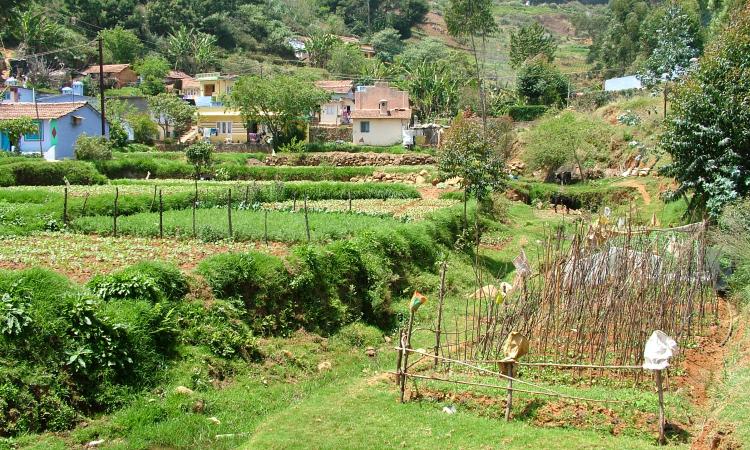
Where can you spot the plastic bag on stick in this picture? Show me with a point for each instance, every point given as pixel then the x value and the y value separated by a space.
pixel 659 348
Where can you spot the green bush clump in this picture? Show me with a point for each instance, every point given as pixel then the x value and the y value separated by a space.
pixel 526 113
pixel 92 148
pixel 220 327
pixel 147 280
pixel 65 354
pixel 359 335
pixel 590 196
pixel 43 173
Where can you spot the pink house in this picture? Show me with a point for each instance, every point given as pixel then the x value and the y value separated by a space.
pixel 380 115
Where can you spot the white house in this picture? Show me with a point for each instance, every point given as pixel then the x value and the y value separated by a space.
pixel 380 115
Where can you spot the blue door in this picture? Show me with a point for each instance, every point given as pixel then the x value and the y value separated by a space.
pixel 4 142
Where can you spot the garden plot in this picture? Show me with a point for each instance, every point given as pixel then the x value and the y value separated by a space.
pixel 81 256
pixel 246 225
pixel 405 209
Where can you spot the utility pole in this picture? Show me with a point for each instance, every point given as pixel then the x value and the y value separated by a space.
pixel 101 84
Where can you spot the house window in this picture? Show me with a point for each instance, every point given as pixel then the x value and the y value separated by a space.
pixel 364 127
pixel 330 110
pixel 224 127
pixel 37 135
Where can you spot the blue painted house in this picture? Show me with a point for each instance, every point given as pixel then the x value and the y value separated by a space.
pixel 59 125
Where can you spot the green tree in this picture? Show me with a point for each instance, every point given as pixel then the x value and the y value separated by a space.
pixel 190 50
pixel 93 148
pixel 708 133
pixel 567 138
pixel 472 19
pixel 530 41
pixel 676 44
pixel 620 45
pixel 541 83
pixel 171 111
pixel 144 128
pixel 14 129
pixel 121 45
pixel 319 48
pixel 152 70
pixel 280 103
pixel 36 32
pixel 200 156
pixel 346 59
pixel 476 155
pixel 387 44
pixel 434 90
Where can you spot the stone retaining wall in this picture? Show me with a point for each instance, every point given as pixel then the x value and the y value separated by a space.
pixel 351 159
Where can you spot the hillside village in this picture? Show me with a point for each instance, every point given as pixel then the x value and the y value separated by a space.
pixel 381 224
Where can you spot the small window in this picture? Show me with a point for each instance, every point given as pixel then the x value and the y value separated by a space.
pixel 364 127
pixel 330 110
pixel 37 135
pixel 224 127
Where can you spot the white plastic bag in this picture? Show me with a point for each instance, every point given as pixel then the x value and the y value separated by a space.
pixel 659 348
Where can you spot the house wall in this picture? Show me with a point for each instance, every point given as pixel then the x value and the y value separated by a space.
pixel 339 106
pixel 67 134
pixel 382 131
pixel 126 77
pixel 209 120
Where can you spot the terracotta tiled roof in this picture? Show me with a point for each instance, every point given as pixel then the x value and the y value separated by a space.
pixel 190 83
pixel 177 75
pixel 108 68
pixel 336 86
pixel 375 114
pixel 46 110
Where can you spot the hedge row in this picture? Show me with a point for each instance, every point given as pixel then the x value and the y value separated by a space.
pixel 44 173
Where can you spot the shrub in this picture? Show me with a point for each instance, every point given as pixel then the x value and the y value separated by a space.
pixel 360 335
pixel 43 173
pixel 92 148
pixel 199 155
pixel 118 137
pixel 526 113
pixel 144 129
pixel 146 280
pixel 219 327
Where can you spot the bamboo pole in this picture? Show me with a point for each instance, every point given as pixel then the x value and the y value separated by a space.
pixel 350 201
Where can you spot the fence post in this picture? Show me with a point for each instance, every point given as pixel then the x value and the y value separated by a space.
pixel 307 223
pixel 294 203
pixel 229 212
pixel 65 208
pixel 399 355
pixel 265 225
pixel 161 216
pixel 405 344
pixel 441 299
pixel 114 215
pixel 85 201
pixel 662 422
pixel 509 402
pixel 350 202
pixel 153 200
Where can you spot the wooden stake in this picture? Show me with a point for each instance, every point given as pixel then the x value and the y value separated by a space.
pixel 662 421
pixel 441 299
pixel 399 355
pixel 85 201
pixel 307 222
pixel 265 225
pixel 153 200
pixel 114 215
pixel 65 208
pixel 509 402
pixel 406 343
pixel 229 212
pixel 161 216
pixel 350 201
pixel 294 203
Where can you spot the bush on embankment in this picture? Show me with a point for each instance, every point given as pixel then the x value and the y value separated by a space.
pixel 37 172
pixel 589 196
pixel 323 288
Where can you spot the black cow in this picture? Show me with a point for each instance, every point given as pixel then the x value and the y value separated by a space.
pixel 566 201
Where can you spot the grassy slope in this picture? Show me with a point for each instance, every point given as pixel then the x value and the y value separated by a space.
pixel 285 402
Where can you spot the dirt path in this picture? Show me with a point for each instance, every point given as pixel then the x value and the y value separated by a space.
pixel 634 183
